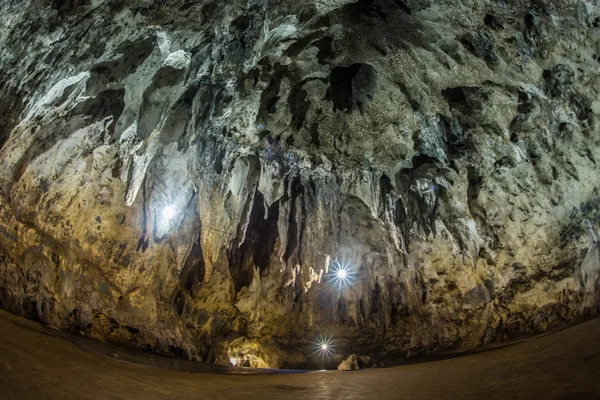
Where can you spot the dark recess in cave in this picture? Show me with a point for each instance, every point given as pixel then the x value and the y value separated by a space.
pixel 491 21
pixel 475 183
pixel 132 55
pixel 12 105
pixel 480 44
pixel 422 159
pixel 193 270
pixel 219 161
pixel 69 5
pixel 558 80
pixel 298 105
pixel 314 134
pixel 269 98
pixel 376 9
pixel 107 103
pixel 351 85
pixel 294 229
pixel 340 89
pixel 325 53
pixel 258 246
pixel 457 97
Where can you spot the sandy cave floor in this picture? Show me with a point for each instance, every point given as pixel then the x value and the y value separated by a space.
pixel 36 364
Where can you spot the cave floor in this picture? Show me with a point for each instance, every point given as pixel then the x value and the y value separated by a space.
pixel 565 365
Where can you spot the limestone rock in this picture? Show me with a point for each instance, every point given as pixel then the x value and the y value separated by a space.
pixel 349 364
pixel 186 177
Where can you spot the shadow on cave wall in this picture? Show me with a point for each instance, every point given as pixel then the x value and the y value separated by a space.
pixel 258 245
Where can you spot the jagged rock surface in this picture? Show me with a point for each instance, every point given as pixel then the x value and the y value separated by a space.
pixel 444 151
pixel 349 364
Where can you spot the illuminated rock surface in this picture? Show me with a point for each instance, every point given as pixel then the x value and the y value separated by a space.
pixel 185 176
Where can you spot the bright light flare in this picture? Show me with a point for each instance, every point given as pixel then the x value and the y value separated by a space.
pixel 324 347
pixel 169 213
pixel 341 275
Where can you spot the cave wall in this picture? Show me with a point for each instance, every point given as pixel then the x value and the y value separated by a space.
pixel 445 152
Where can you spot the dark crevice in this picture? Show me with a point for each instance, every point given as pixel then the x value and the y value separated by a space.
pixel 475 184
pixel 301 44
pixel 314 134
pixel 422 159
pixel 294 230
pixel 403 6
pixel 269 98
pixel 105 104
pixel 219 161
pixel 209 102
pixel 416 209
pixel 131 56
pixel 144 240
pixel 491 21
pixel 558 80
pixel 531 20
pixel 341 311
pixel 258 245
pixel 385 189
pixel 340 89
pixel 176 123
pixel 376 10
pixel 325 46
pixel 193 270
pixel 12 104
pixel 298 105
pixel 374 300
pixel 475 181
pixel 526 105
pixel 68 6
pixel 407 93
pixel 401 221
pixel 456 97
pixel 351 85
pixel 480 44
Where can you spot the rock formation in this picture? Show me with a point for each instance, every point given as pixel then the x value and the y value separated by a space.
pixel 183 176
pixel 349 364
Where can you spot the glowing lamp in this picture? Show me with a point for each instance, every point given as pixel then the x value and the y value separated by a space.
pixel 169 213
pixel 324 347
pixel 342 275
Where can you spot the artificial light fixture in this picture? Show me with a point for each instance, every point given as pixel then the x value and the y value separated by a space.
pixel 323 347
pixel 168 213
pixel 341 274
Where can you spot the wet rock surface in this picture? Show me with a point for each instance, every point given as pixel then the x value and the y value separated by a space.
pixel 444 153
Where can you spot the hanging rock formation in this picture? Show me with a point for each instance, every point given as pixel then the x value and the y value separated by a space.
pixel 444 152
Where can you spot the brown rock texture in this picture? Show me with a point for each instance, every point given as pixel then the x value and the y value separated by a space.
pixel 186 176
